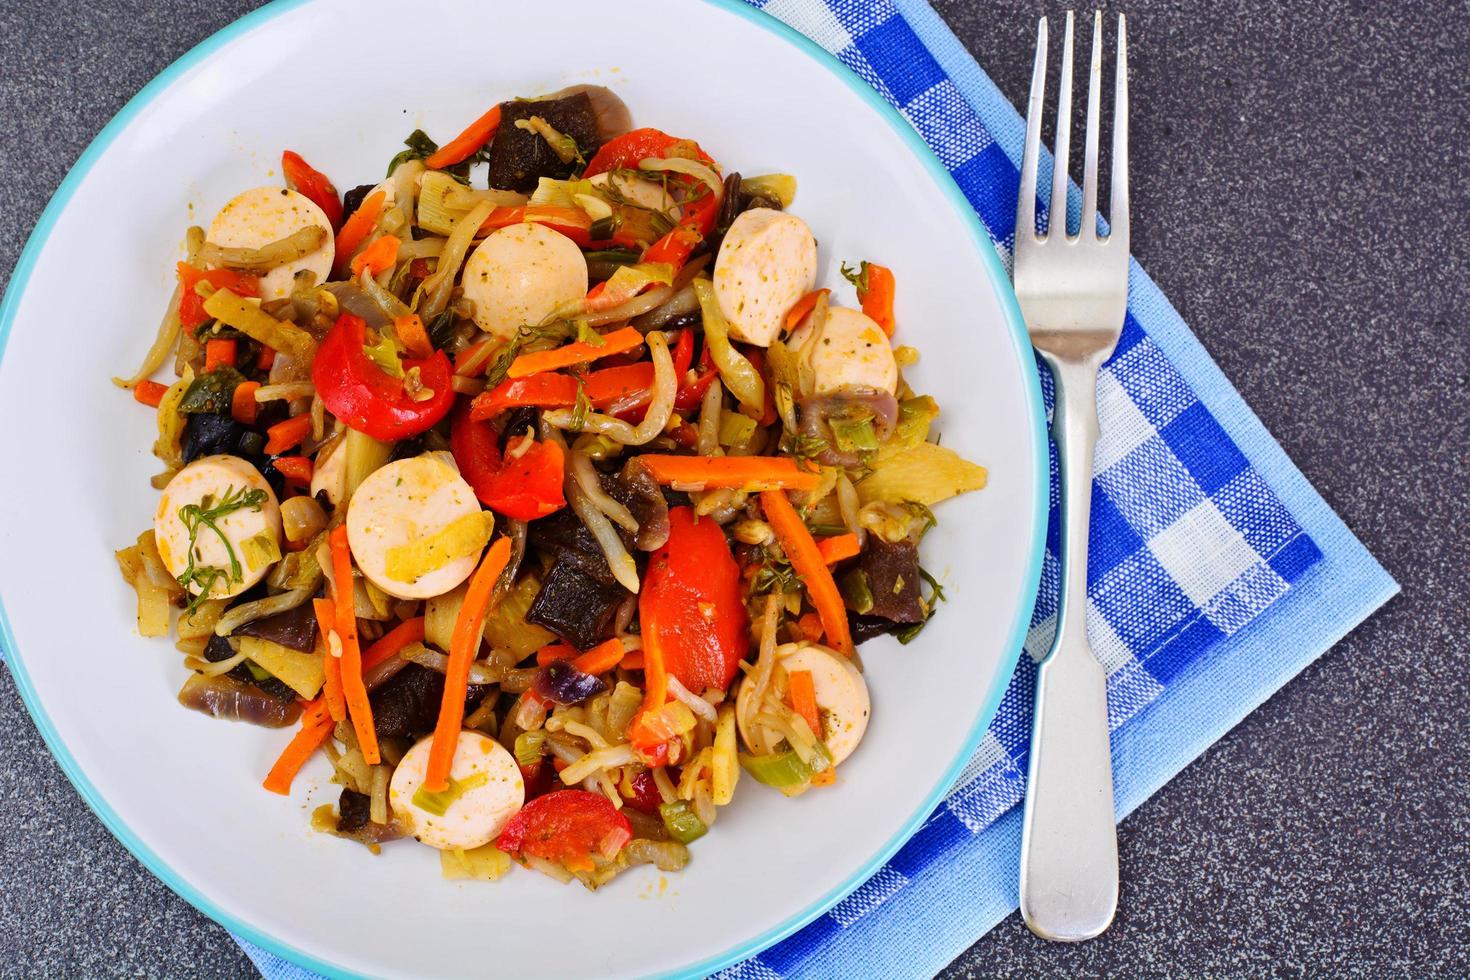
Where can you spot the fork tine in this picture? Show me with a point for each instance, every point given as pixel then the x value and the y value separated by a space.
pixel 1118 208
pixel 1026 203
pixel 1063 150
pixel 1088 228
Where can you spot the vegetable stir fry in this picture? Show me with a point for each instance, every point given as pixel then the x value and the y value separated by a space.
pixel 544 509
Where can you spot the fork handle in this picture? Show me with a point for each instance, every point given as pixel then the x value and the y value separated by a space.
pixel 1069 844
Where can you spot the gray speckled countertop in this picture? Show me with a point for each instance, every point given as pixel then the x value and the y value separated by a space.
pixel 1300 192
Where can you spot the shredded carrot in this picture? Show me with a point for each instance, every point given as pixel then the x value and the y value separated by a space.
pixel 877 299
pixel 356 228
pixel 266 358
pixel 359 709
pixel 379 256
pixel 217 353
pixel 301 747
pixel 632 660
pixel 826 777
pixel 601 658
pixel 476 135
pixel 810 625
pixel 803 306
pixel 803 694
pixel 392 642
pixel 838 547
pixel 243 406
pixel 149 393
pixel 741 472
pixel 326 614
pixel 410 330
pixel 288 434
pixel 553 652
pixel 463 644
pixel 579 352
pixel 807 561
pixel 296 469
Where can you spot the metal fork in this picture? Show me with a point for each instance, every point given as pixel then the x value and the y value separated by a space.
pixel 1073 294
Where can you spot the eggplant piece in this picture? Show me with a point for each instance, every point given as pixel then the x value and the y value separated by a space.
pixel 353 199
pixel 218 648
pixel 566 540
pixel 576 606
pixel 519 157
pixel 354 811
pixel 407 705
pixel 865 628
pixel 294 628
pixel 892 571
pixel 207 434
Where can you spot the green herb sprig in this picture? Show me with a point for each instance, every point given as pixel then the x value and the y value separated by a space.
pixel 207 513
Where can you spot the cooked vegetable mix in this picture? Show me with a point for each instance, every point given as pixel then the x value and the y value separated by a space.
pixel 545 509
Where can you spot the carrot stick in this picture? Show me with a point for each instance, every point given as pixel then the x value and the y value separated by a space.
pixel 410 330
pixel 283 435
pixel 359 709
pixel 463 645
pixel 149 393
pixel 553 652
pixel 838 547
pixel 243 406
pixel 877 299
pixel 826 777
pixel 807 561
pixel 580 352
pixel 392 642
pixel 476 135
pixel 296 469
pixel 220 351
pixel 356 228
pixel 301 747
pixel 810 625
pixel 802 307
pixel 378 256
pixel 803 694
pixel 748 472
pixel 632 660
pixel 601 658
pixel 326 613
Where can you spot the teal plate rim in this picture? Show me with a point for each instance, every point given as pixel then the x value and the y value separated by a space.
pixel 1019 625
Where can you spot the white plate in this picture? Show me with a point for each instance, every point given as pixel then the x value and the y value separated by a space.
pixel 182 791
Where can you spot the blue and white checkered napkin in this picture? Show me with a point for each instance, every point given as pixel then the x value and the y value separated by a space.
pixel 1215 573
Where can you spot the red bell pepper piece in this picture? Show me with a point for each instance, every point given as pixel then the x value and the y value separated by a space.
pixel 538 390
pixel 526 487
pixel 306 180
pixel 627 150
pixel 567 827
pixel 360 393
pixel 692 604
pixel 646 797
pixel 572 222
pixel 691 393
pixel 191 304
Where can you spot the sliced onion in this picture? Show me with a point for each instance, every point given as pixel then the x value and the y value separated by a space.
pixel 302 518
pixel 611 112
pixel 232 700
pixel 816 410
pixel 653 530
pixel 696 704
pixel 436 661
pixel 262 608
pixel 562 683
pixel 587 478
